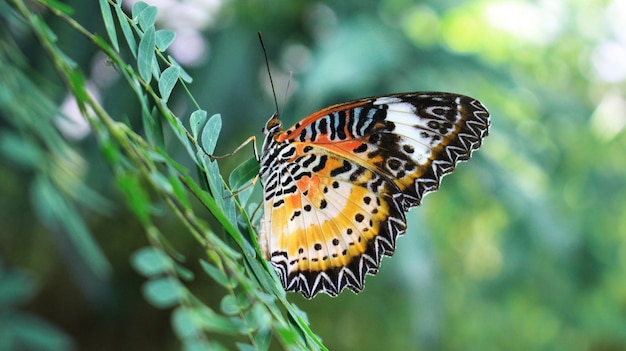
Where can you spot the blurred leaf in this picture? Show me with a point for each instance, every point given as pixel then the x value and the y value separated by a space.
pixel 24 152
pixel 162 182
pixel 151 261
pixel 33 333
pixel 184 324
pixel 15 288
pixel 163 292
pixel 212 321
pixel 183 273
pixel 229 305
pixel 263 338
pixel 107 16
pixel 147 17
pixel 145 55
pixel 245 347
pixel 164 38
pixel 126 29
pixel 60 7
pixel 55 210
pixel 168 80
pixel 215 273
pixel 136 197
pixel 210 133
pixel 181 134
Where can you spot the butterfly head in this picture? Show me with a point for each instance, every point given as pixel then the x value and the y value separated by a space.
pixel 273 125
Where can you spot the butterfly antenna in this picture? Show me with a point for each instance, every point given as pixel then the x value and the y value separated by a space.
pixel 287 90
pixel 267 64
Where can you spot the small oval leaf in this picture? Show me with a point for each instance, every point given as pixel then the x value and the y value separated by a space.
pixel 197 120
pixel 164 38
pixel 163 292
pixel 145 56
pixel 211 133
pixel 128 32
pixel 147 17
pixel 215 273
pixel 229 305
pixel 138 7
pixel 168 80
pixel 150 261
pixel 107 16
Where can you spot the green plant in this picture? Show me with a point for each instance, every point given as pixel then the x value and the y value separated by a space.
pixel 253 309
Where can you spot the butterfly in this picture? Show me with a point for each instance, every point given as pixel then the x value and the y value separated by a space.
pixel 338 183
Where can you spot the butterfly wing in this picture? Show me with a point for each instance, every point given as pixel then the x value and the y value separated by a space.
pixel 335 200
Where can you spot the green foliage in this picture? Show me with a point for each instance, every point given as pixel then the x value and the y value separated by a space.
pixel 149 178
pixel 21 330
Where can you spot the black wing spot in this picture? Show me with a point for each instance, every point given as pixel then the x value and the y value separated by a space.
pixel 367 200
pixel 323 204
pixel 408 149
pixel 307 208
pixel 335 241
pixel 359 217
pixel 317 246
pixel 394 164
pixel 295 214
pixel 361 148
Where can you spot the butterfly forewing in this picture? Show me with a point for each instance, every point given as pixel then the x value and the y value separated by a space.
pixel 338 182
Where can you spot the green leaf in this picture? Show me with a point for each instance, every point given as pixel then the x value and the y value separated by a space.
pixel 229 305
pixel 181 134
pixel 33 333
pixel 56 210
pixel 136 197
pixel 164 38
pixel 245 347
pixel 15 288
pixel 196 121
pixel 138 7
pixel 22 151
pixel 215 273
pixel 147 17
pixel 151 261
pixel 126 29
pixel 107 16
pixel 183 74
pixel 179 188
pixel 163 292
pixel 162 182
pixel 212 321
pixel 145 55
pixel 183 273
pixel 210 133
pixel 168 80
pixel 184 323
pixel 243 174
pixel 263 338
pixel 60 7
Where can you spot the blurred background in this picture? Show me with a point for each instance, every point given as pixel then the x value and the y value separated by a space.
pixel 523 248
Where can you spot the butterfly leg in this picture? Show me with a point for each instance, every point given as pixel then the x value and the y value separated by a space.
pixel 251 139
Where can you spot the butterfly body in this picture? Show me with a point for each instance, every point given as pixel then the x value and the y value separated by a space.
pixel 338 183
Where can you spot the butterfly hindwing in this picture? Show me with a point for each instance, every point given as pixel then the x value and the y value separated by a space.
pixel 328 226
pixel 339 182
